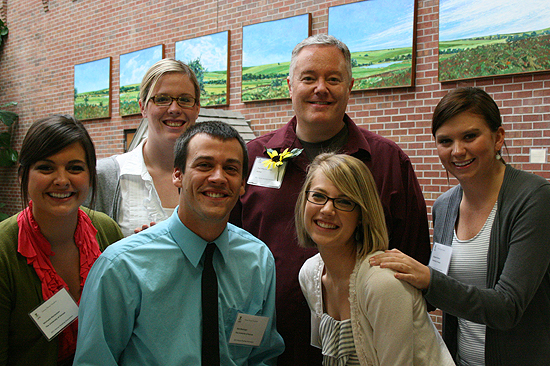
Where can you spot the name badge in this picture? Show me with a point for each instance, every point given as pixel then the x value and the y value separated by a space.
pixel 264 177
pixel 441 257
pixel 248 330
pixel 55 314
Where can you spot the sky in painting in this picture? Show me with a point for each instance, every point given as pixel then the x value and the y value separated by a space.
pixel 272 42
pixel 460 19
pixel 92 76
pixel 373 25
pixel 134 65
pixel 211 50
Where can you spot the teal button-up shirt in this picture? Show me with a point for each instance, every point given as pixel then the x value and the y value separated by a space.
pixel 141 304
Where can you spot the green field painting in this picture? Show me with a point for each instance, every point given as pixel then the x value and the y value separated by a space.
pixel 92 97
pixel 265 82
pixel 494 55
pixel 382 68
pixel 266 56
pixel 380 37
pixel 133 67
pixel 208 56
pixel 92 105
pixel 480 39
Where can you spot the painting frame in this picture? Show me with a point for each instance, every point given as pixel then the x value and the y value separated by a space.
pixel 216 47
pixel 383 49
pixel 92 89
pixel 510 39
pixel 265 63
pixel 133 66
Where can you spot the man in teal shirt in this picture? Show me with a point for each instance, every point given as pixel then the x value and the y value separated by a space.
pixel 142 301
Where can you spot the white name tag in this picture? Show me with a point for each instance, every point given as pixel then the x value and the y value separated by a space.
pixel 264 177
pixel 248 330
pixel 55 314
pixel 441 257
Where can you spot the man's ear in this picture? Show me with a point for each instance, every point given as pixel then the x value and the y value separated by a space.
pixel 177 177
pixel 242 190
pixel 289 85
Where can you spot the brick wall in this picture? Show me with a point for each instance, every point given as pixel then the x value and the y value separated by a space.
pixel 48 38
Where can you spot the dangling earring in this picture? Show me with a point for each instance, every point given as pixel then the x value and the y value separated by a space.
pixel 497 156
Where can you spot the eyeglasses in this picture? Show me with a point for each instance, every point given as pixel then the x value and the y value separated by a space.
pixel 342 204
pixel 163 100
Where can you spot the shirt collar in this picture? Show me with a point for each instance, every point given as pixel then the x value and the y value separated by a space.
pixel 191 244
pixel 133 163
pixel 357 144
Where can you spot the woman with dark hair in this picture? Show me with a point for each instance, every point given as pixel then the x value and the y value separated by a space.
pixel 360 315
pixel 48 248
pixel 496 293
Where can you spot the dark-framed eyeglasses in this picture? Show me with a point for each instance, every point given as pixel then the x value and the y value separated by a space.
pixel 164 100
pixel 342 204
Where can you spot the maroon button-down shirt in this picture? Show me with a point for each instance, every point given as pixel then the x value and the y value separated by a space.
pixel 268 213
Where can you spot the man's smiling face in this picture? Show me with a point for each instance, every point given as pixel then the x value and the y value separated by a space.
pixel 211 183
pixel 320 88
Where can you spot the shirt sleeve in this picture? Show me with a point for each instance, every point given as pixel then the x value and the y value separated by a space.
pixel 5 311
pixel 388 305
pixel 106 315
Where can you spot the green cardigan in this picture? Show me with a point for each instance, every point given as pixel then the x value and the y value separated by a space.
pixel 21 342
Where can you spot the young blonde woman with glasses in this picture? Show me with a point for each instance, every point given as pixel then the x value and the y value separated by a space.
pixel 136 188
pixel 360 315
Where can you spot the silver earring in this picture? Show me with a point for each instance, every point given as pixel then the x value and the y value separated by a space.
pixel 497 156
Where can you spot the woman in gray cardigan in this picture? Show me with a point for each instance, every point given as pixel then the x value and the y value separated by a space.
pixel 494 225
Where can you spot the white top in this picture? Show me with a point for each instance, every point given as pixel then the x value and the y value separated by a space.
pixel 337 342
pixel 469 266
pixel 389 321
pixel 140 203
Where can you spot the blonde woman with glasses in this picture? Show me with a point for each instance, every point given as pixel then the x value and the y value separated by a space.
pixel 136 188
pixel 360 315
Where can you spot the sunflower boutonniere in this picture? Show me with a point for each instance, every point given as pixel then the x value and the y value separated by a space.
pixel 277 159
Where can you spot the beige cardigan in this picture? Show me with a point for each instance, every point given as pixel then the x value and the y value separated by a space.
pixel 389 320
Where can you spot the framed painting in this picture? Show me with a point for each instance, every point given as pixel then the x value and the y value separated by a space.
pixel 381 38
pixel 133 67
pixel 480 39
pixel 92 89
pixel 208 56
pixel 266 56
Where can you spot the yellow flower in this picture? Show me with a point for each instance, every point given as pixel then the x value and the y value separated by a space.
pixel 285 154
pixel 277 159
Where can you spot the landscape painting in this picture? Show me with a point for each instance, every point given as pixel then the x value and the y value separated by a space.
pixel 491 38
pixel 208 56
pixel 133 67
pixel 267 48
pixel 92 89
pixel 381 38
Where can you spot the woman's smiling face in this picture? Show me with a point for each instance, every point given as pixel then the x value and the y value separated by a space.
pixel 60 183
pixel 467 147
pixel 326 225
pixel 167 123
